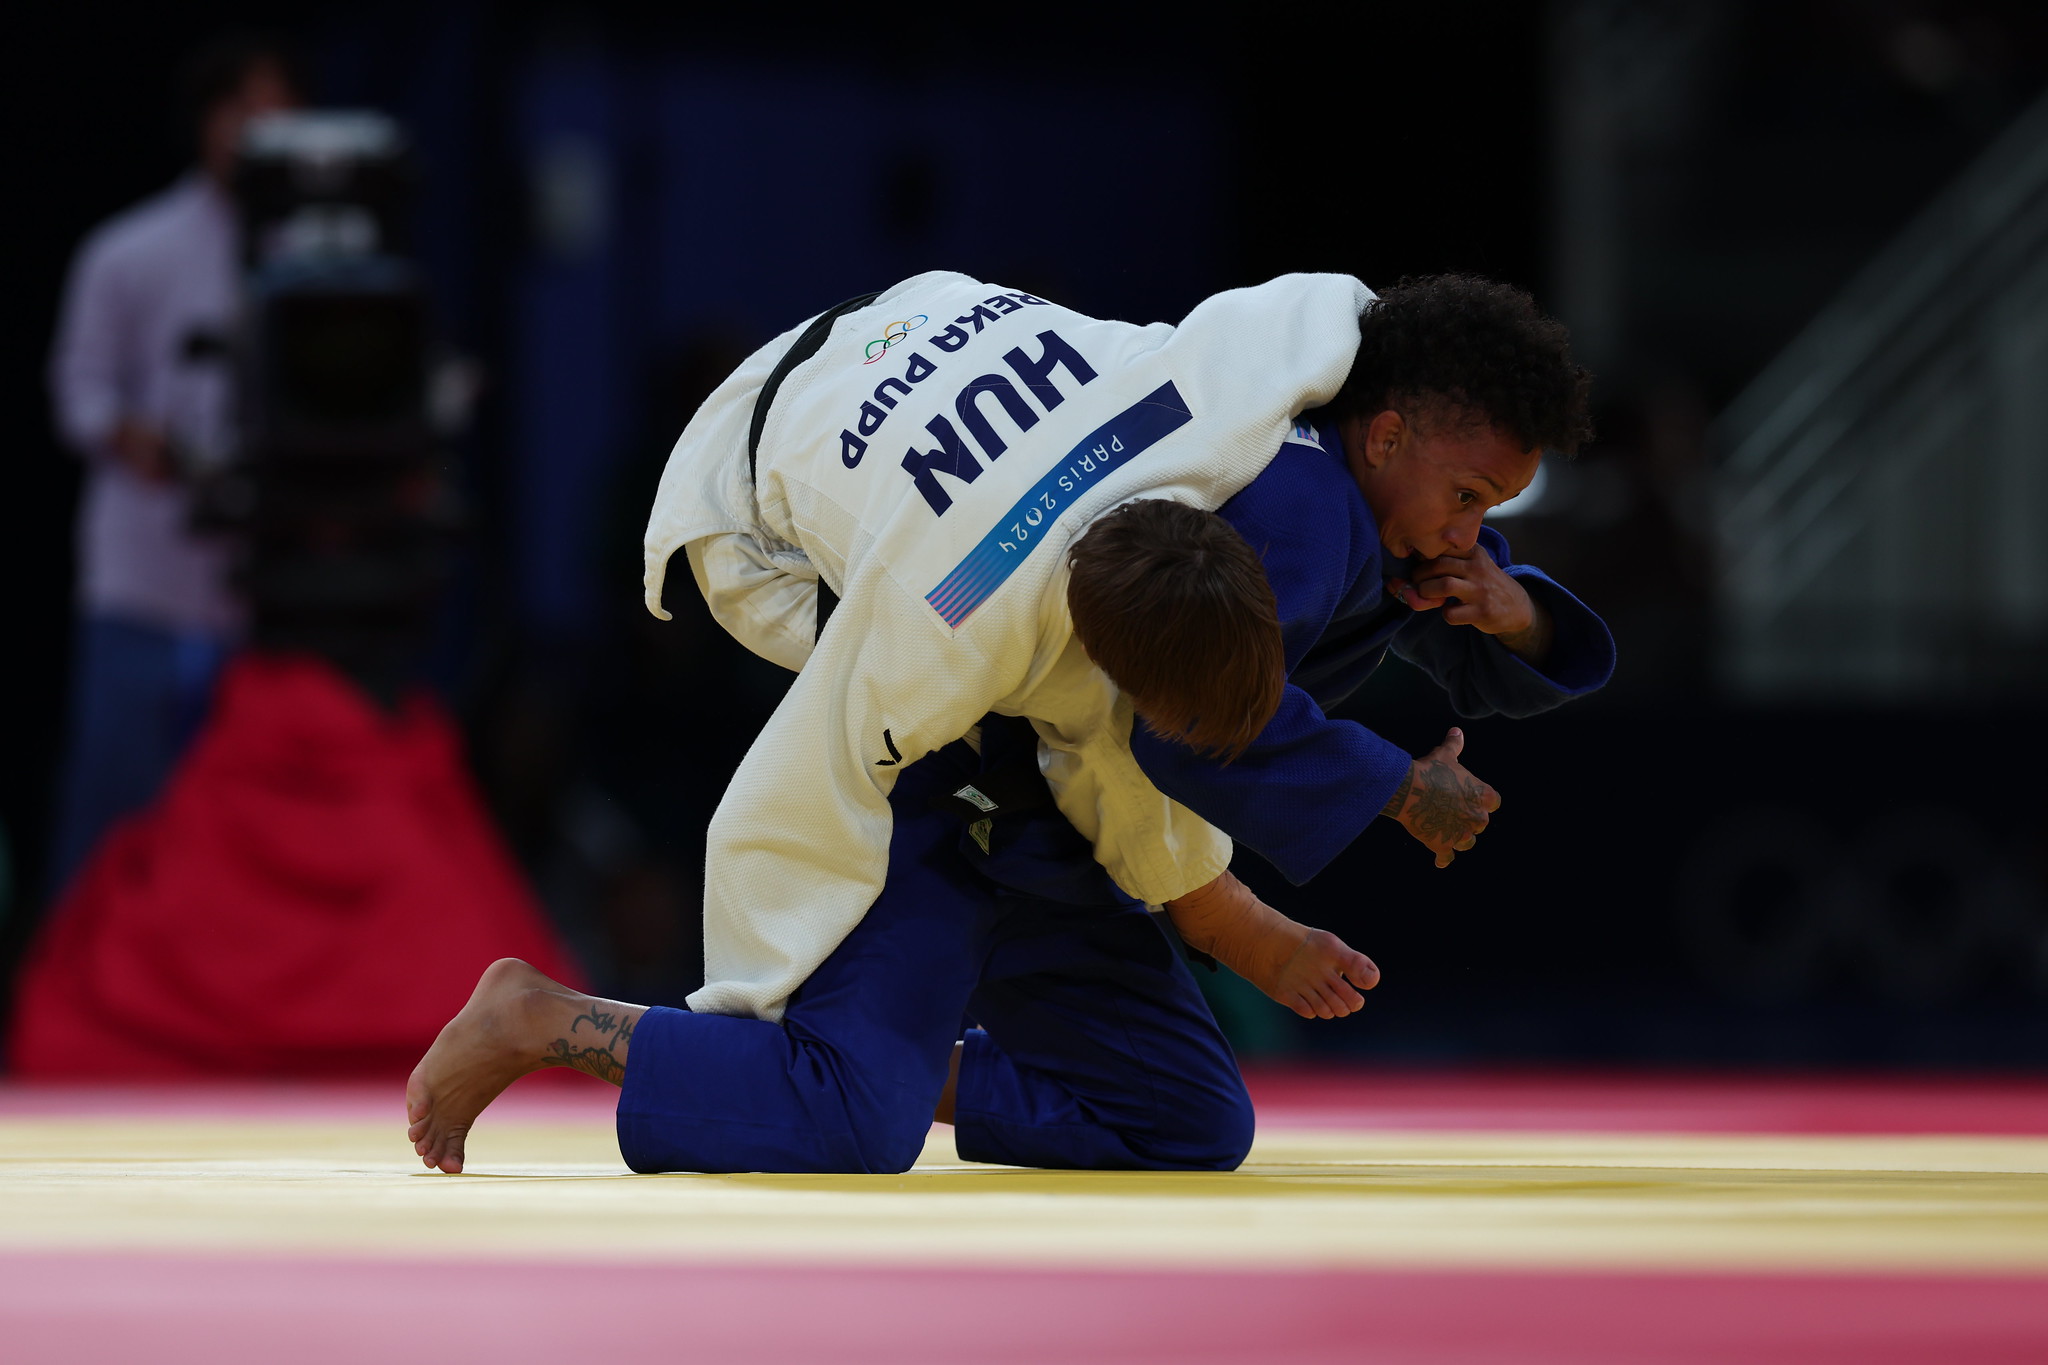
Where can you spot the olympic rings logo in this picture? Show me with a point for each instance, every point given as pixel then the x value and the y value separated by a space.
pixel 892 334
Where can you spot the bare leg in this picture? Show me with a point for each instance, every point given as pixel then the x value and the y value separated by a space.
pixel 517 1021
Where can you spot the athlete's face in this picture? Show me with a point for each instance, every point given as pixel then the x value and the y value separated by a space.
pixel 1430 485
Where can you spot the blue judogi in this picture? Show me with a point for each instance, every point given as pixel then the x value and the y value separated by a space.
pixel 1309 784
pixel 1093 1047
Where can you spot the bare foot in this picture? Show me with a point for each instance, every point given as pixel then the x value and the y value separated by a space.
pixel 1322 978
pixel 517 1021
pixel 1311 971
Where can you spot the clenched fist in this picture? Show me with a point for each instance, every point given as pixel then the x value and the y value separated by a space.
pixel 1472 590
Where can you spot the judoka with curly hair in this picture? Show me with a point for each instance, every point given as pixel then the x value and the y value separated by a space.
pixel 1052 660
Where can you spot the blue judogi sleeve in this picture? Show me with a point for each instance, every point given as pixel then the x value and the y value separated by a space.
pixel 1298 796
pixel 1485 677
pixel 1308 784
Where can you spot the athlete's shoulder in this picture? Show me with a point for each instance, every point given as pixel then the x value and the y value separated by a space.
pixel 1304 486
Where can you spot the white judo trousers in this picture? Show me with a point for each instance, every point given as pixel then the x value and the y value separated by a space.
pixel 933 462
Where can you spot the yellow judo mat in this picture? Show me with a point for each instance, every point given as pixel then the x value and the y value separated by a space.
pixel 1418 1220
pixel 1317 1198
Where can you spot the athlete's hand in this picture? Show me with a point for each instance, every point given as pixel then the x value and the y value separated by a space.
pixel 1443 805
pixel 1474 591
pixel 1479 593
pixel 1323 978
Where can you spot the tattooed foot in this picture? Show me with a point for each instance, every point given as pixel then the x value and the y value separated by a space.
pixel 517 1021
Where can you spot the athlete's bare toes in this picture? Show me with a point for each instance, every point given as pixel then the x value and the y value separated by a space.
pixel 485 1048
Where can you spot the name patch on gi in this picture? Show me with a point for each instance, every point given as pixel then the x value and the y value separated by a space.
pixel 1100 453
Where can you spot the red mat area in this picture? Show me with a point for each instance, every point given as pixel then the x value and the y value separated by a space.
pixel 313 1312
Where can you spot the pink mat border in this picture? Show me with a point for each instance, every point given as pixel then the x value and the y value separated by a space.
pixel 182 1309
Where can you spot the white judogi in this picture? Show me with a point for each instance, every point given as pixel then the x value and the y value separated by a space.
pixel 933 462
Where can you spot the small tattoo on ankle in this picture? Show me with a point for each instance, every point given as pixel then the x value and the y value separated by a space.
pixel 591 1061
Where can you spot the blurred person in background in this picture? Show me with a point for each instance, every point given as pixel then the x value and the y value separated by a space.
pixel 141 393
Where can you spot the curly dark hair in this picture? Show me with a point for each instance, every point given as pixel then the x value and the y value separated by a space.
pixel 1463 347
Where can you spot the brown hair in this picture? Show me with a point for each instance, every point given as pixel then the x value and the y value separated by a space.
pixel 1174 606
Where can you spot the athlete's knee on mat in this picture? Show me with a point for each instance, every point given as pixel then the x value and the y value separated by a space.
pixel 890 1137
pixel 1210 1130
pixel 654 1145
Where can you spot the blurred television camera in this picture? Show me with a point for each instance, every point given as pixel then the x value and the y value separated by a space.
pixel 337 490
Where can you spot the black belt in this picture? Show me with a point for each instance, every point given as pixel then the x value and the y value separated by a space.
pixel 806 346
pixel 1008 783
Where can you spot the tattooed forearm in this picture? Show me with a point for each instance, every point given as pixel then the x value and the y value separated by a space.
pixel 1400 798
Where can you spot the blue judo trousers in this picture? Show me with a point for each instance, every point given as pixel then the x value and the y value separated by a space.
pixel 1094 1049
pixel 1087 1043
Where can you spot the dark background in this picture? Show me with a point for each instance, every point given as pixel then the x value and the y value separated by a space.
pixel 619 204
